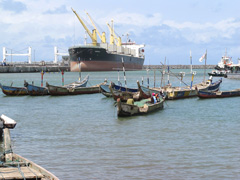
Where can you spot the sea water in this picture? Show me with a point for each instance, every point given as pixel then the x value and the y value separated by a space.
pixel 81 137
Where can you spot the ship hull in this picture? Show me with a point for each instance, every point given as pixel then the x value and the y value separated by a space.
pixel 97 59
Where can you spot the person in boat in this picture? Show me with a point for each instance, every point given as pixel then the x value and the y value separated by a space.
pixel 153 99
pixel 157 97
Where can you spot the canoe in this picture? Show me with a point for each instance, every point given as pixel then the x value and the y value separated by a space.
pixel 121 88
pixel 82 83
pixel 218 94
pixel 64 90
pixel 187 92
pixel 104 89
pixel 36 90
pixel 61 90
pixel 147 92
pixel 14 166
pixel 142 107
pixel 14 91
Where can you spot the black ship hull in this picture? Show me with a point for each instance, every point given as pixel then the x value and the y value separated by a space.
pixel 98 59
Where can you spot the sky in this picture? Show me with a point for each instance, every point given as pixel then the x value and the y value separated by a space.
pixel 169 29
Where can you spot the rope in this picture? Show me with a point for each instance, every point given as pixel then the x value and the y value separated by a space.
pixel 19 169
pixel 175 76
pixel 31 171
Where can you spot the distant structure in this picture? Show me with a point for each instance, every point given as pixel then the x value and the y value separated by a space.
pixel 56 54
pixel 29 54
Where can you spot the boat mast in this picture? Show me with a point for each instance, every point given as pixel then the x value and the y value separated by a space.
pixel 205 66
pixel 191 61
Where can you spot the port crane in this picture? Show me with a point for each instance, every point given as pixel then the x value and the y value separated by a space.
pixel 92 35
pixel 113 36
pixel 103 36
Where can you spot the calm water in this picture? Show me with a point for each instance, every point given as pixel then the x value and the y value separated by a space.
pixel 81 137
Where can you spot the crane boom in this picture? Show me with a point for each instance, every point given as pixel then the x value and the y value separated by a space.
pixel 93 35
pixel 103 36
pixel 114 36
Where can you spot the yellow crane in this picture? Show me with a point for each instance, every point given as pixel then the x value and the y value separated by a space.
pixel 103 36
pixel 114 36
pixel 92 35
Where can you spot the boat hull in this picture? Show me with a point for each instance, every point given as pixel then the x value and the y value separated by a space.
pixel 14 91
pixel 98 59
pixel 125 109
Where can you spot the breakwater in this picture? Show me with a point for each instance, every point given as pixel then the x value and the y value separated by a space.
pixel 179 66
pixel 29 68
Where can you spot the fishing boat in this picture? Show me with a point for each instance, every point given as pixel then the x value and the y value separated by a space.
pixel 104 89
pixel 142 107
pixel 187 92
pixel 36 90
pixel 218 94
pixel 219 73
pixel 124 95
pixel 147 92
pixel 14 91
pixel 78 83
pixel 62 90
pixel 14 166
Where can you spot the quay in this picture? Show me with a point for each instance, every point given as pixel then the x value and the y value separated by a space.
pixel 36 67
pixel 53 67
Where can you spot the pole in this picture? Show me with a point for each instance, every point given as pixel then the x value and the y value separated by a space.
pixel 79 71
pixel 62 77
pixel 42 78
pixel 154 77
pixel 118 78
pixel 168 76
pixel 191 61
pixel 192 80
pixel 125 80
pixel 148 77
pixel 205 66
pixel 142 80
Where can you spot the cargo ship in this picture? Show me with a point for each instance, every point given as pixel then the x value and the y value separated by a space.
pixel 105 56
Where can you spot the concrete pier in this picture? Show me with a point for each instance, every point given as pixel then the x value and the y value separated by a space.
pixel 30 68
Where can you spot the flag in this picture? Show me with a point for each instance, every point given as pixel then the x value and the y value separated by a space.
pixel 203 57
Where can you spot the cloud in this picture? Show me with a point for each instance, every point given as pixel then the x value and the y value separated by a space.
pixel 14 6
pixel 59 10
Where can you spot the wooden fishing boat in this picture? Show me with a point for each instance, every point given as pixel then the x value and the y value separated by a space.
pixel 14 166
pixel 14 91
pixel 104 89
pixel 147 92
pixel 124 95
pixel 82 83
pixel 61 90
pixel 187 92
pixel 36 90
pixel 218 94
pixel 121 88
pixel 142 107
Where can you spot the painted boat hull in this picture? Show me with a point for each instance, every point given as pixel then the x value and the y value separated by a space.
pixel 14 91
pixel 36 90
pixel 124 109
pixel 218 94
pixel 63 91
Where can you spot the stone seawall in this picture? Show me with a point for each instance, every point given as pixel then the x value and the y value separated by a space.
pixel 179 66
pixel 30 69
